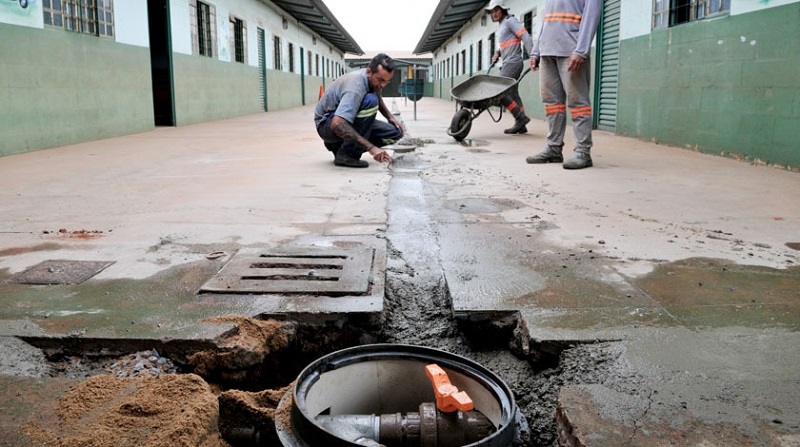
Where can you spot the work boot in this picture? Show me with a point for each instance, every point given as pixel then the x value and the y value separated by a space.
pixel 546 156
pixel 349 162
pixel 579 160
pixel 519 125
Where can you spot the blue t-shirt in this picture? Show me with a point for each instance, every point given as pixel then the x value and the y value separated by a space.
pixel 343 98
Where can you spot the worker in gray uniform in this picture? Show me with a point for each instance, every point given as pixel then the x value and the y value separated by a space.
pixel 511 34
pixel 562 54
pixel 345 116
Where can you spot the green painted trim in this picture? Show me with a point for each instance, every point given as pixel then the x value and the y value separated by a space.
pixel 598 68
pixel 302 76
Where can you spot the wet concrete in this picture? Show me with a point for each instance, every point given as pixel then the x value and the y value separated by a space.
pixel 585 290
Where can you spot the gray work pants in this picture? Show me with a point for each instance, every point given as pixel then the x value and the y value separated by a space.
pixel 512 101
pixel 562 89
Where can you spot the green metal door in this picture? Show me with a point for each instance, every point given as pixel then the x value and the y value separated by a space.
pixel 607 68
pixel 262 68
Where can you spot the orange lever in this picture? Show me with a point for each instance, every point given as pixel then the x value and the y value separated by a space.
pixel 448 398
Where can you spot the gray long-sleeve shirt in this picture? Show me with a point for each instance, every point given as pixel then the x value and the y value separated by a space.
pixel 568 28
pixel 512 34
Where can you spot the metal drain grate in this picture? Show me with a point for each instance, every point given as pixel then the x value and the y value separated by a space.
pixel 301 271
pixel 60 271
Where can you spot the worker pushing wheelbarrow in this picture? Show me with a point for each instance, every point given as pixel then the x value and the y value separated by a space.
pixel 483 91
pixel 476 95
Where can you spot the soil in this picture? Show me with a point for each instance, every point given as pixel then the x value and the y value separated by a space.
pixel 162 411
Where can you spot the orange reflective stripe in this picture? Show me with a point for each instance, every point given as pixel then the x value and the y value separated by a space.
pixel 562 17
pixel 521 32
pixel 513 105
pixel 555 108
pixel 509 43
pixel 581 111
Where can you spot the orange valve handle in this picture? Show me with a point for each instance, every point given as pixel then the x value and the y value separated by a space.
pixel 448 398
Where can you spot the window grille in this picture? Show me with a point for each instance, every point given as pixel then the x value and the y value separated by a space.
pixel 205 43
pixel 239 41
pixel 291 58
pixel 674 12
pixel 94 17
pixel 276 52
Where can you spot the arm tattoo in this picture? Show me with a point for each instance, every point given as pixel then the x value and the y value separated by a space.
pixel 346 132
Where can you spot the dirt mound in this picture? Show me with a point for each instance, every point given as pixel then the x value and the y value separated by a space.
pixel 242 348
pixel 162 411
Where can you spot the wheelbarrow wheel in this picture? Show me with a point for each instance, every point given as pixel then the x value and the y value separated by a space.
pixel 461 124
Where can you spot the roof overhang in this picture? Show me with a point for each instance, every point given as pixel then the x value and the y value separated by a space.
pixel 318 18
pixel 449 17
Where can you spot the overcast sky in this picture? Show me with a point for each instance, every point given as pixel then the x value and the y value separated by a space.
pixel 383 25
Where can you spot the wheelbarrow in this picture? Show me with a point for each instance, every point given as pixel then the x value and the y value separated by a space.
pixel 476 95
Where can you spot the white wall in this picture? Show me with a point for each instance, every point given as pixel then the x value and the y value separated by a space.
pixel 636 18
pixel 745 6
pixel 255 14
pixel 130 23
pixel 180 26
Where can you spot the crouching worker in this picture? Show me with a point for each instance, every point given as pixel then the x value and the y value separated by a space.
pixel 346 115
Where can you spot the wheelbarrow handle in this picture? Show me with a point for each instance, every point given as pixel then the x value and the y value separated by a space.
pixel 527 70
pixel 492 66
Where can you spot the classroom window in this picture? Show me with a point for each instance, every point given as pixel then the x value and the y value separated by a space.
pixel 205 19
pixel 291 58
pixel 480 55
pixel 94 17
pixel 238 33
pixel 674 12
pixel 277 54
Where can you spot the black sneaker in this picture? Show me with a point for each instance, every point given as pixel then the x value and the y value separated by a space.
pixel 519 126
pixel 349 162
pixel 545 156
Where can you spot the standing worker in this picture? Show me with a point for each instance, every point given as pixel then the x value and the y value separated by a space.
pixel 511 35
pixel 345 115
pixel 562 53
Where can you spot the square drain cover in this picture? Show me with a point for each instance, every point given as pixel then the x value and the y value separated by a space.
pixel 299 271
pixel 60 271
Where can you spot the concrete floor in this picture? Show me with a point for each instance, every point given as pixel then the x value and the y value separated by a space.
pixel 688 261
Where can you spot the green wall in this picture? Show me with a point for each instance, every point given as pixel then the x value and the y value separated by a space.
pixel 285 90
pixel 207 89
pixel 727 86
pixel 59 87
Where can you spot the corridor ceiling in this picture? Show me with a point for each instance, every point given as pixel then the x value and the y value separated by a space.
pixel 317 17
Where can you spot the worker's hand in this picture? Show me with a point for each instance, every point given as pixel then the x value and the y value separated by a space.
pixel 380 155
pixel 534 63
pixel 495 56
pixel 575 63
pixel 393 121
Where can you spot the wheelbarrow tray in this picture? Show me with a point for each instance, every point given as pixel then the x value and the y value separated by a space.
pixel 482 91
